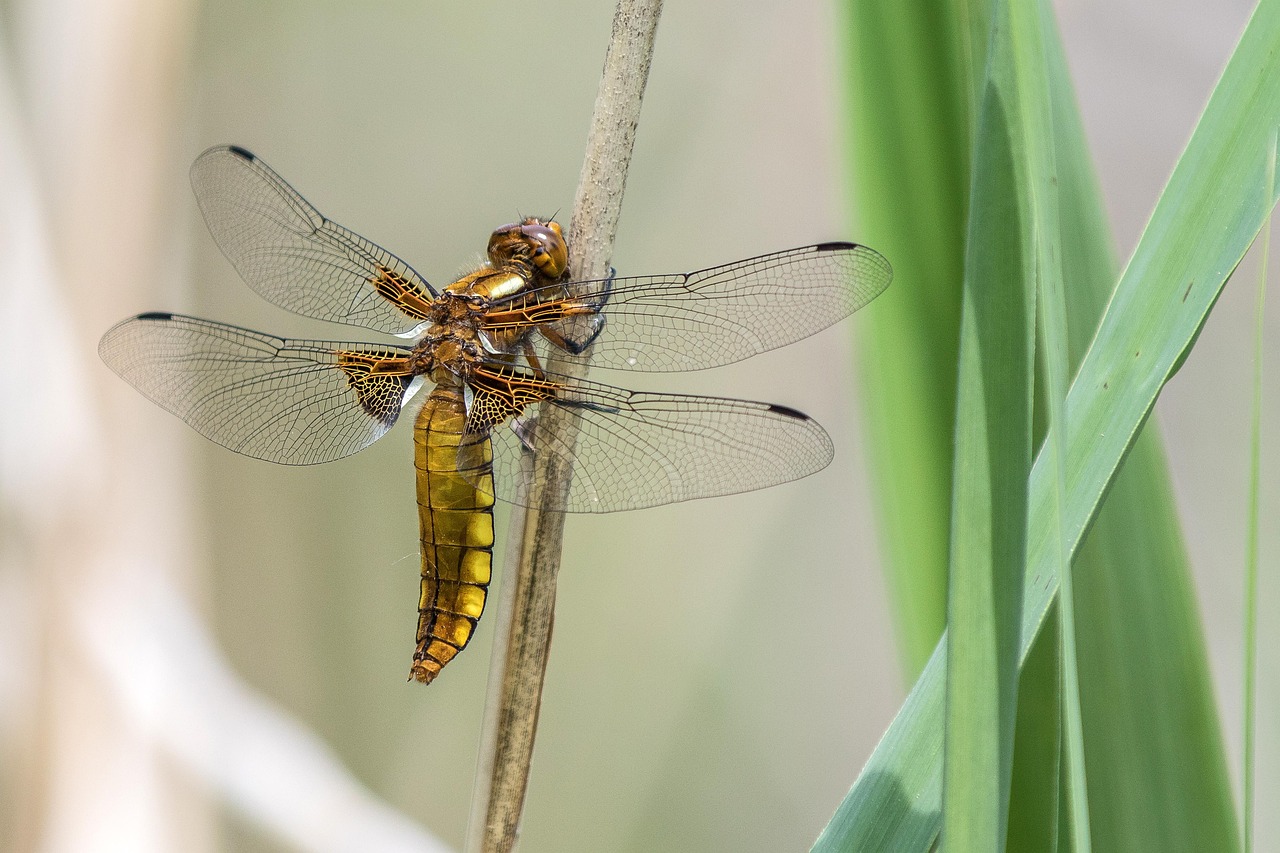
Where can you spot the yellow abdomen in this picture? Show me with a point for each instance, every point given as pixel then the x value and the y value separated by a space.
pixel 456 520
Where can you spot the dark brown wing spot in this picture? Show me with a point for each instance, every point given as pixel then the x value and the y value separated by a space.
pixel 499 394
pixel 379 382
pixel 789 412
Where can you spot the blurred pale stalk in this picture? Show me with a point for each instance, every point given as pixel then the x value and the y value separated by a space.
pixel 106 673
pixel 91 506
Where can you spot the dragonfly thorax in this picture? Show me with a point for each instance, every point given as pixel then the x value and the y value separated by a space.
pixel 478 290
pixel 444 354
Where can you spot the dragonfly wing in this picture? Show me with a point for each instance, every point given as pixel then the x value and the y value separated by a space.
pixel 295 257
pixel 637 449
pixel 690 321
pixel 293 402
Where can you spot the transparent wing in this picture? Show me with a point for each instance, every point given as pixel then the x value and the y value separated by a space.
pixel 295 257
pixel 690 321
pixel 637 449
pixel 293 402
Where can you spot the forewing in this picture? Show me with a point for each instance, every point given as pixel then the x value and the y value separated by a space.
pixel 637 449
pixel 293 402
pixel 295 257
pixel 690 321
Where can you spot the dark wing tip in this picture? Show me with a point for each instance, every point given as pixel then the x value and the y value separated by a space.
pixel 865 252
pixel 155 315
pixel 788 412
pixel 865 256
pixel 242 153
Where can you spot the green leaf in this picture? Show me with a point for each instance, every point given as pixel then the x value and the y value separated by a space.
pixel 1251 536
pixel 909 125
pixel 1034 794
pixel 993 451
pixel 1143 671
pixel 1031 31
pixel 1139 611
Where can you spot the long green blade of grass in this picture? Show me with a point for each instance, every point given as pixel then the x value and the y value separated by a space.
pixel 1251 543
pixel 1210 211
pixel 993 450
pixel 1033 800
pixel 1084 241
pixel 1031 32
pixel 1144 678
pixel 909 127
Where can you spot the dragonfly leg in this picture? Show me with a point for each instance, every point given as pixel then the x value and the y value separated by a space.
pixel 580 333
pixel 531 356
pixel 599 300
pixel 582 326
pixel 525 427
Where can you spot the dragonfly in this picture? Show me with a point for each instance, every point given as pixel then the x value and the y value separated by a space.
pixel 482 341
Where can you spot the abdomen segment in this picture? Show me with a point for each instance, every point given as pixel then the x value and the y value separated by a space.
pixel 456 521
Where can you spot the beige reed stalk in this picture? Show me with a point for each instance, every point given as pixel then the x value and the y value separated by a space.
pixel 526 604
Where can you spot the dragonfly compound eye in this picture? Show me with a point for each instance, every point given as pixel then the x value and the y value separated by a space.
pixel 550 253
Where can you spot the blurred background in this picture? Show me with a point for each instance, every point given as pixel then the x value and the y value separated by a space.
pixel 200 651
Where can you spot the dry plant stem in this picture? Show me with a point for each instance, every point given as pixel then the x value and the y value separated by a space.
pixel 526 608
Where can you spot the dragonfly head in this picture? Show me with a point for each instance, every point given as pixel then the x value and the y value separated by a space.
pixel 532 240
